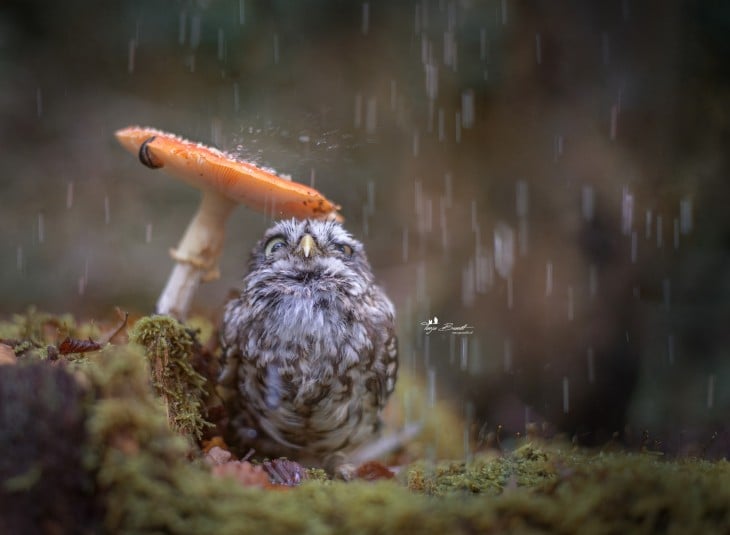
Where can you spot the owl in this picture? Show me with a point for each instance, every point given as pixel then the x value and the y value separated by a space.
pixel 309 347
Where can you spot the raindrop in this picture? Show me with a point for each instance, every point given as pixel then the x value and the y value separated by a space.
pixel 69 195
pixel 441 125
pixel 549 279
pixel 417 20
pixel 648 224
pixel 464 354
pixel 421 282
pixel 195 21
pixel 416 142
pixel 571 304
pixel 566 395
pixel 558 146
pixel 452 348
pixel 107 210
pixel 236 97
pixel 510 294
pixel 592 280
pixel 41 229
pixel 431 382
pixel 371 197
pixel 504 249
pixel 627 211
pixel 312 175
pixel 522 236
pixel 241 12
pixel 659 237
pixel 591 366
pixel 521 198
pixel 371 116
pixel 667 291
pixel 182 27
pixel 468 423
pixel 448 190
pixel 365 221
pixel 468 284
pixel 221 45
pixel 538 48
pixel 685 216
pixel 365 26
pixel 484 272
pixel 483 44
pixel 467 108
pixel 614 121
pixel 276 48
pixel 676 233
pixel 457 121
pixel 625 9
pixel 711 391
pixel 634 246
pixel 19 258
pixel 449 49
pixel 587 202
pixel 148 233
pixel 507 355
pixel 131 55
pixel 405 245
pixel 432 81
pixel 39 102
pixel 358 110
pixel 216 131
pixel 504 12
pixel 426 349
pixel 670 349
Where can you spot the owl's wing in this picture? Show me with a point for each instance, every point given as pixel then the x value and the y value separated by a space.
pixel 388 369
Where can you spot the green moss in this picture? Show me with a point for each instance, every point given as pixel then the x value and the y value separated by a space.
pixel 170 348
pixel 139 473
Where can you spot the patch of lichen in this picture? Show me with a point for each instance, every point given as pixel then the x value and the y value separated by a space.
pixel 170 347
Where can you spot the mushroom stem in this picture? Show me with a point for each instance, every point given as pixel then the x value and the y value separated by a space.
pixel 197 255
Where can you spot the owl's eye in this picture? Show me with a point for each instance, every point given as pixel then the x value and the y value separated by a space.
pixel 344 249
pixel 273 245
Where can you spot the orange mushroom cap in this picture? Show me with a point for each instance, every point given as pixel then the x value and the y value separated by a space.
pixel 207 168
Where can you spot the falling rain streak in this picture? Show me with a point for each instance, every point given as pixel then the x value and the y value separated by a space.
pixel 148 233
pixel 365 26
pixel 276 48
pixel 39 102
pixel 41 229
pixel 69 195
pixel 549 279
pixel 107 210
pixel 566 395
pixel 711 391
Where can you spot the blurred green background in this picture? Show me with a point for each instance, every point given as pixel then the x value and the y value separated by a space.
pixel 553 174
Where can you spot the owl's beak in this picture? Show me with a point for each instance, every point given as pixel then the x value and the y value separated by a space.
pixel 307 247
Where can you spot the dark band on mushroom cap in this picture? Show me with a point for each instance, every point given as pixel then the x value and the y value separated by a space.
pixel 146 157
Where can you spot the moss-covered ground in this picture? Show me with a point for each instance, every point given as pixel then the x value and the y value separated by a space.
pixel 93 442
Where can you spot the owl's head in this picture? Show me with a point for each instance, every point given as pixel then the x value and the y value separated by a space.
pixel 310 252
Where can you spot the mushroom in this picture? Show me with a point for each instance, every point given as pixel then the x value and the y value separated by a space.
pixel 225 182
